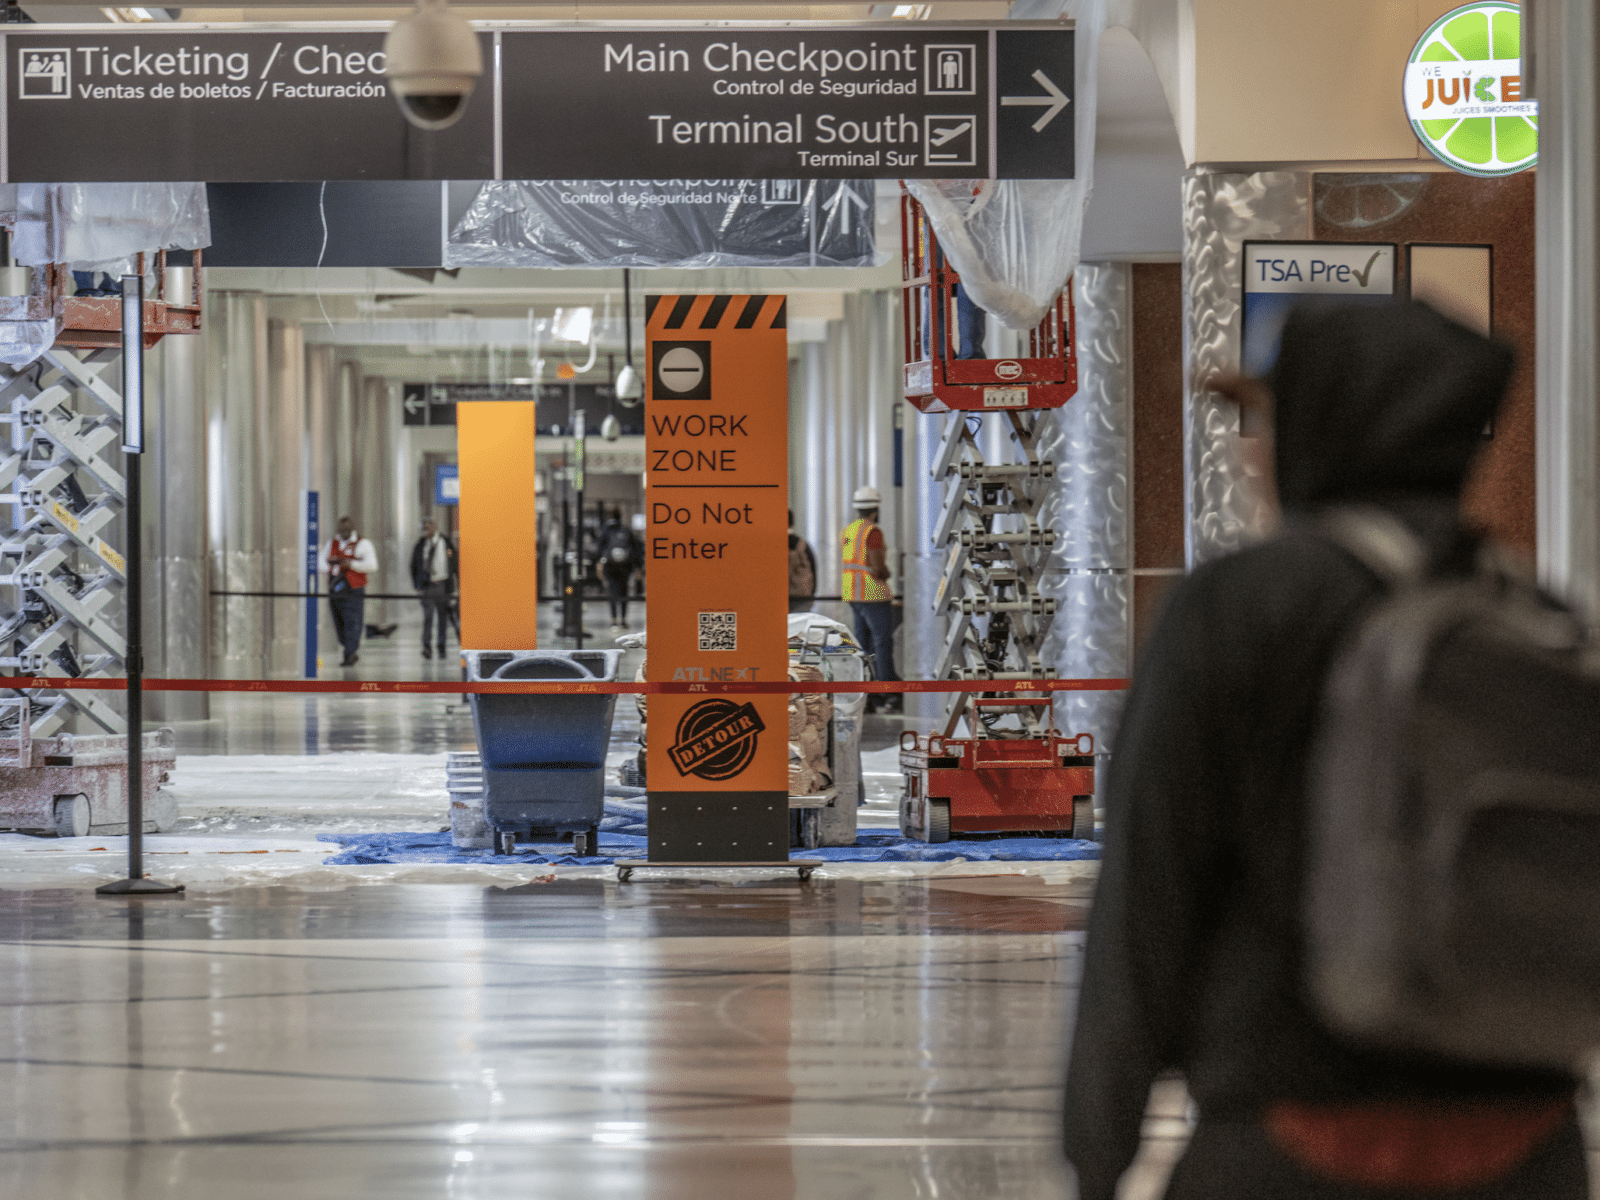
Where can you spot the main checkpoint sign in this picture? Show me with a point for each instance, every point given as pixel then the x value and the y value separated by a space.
pixel 770 101
pixel 877 102
pixel 717 554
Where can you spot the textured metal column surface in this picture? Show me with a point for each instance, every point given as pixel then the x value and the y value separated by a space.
pixel 321 388
pixel 374 436
pixel 1566 39
pixel 1089 505
pixel 287 465
pixel 844 435
pixel 1227 506
pixel 885 394
pixel 178 619
pixel 235 365
pixel 812 508
pixel 396 545
pixel 924 630
pixel 345 407
pixel 839 471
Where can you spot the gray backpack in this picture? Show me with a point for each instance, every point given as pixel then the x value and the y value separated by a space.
pixel 1453 873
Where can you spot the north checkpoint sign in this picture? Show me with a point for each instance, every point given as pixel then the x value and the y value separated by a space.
pixel 789 101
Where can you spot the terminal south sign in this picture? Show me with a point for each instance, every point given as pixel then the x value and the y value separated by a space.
pixel 1463 91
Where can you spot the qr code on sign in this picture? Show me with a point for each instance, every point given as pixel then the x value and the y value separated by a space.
pixel 719 631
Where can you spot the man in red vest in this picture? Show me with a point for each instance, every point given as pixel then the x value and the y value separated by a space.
pixel 350 559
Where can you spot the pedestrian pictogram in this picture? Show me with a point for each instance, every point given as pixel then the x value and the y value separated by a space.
pixel 950 70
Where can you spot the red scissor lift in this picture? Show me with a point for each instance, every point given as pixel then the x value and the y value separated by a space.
pixel 1019 774
pixel 95 322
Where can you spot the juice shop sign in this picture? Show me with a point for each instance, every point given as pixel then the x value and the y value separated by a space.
pixel 1463 91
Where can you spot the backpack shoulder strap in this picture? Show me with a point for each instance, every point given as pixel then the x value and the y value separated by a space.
pixel 1380 541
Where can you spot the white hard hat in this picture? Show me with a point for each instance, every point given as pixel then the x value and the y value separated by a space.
pixel 866 497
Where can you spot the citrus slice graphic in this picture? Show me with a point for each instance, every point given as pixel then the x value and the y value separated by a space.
pixel 1463 91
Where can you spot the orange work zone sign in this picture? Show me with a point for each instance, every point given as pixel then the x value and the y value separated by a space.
pixel 716 555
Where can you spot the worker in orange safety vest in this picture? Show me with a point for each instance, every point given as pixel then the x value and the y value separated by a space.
pixel 864 582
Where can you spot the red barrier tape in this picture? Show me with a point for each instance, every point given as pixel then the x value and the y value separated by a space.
pixel 560 687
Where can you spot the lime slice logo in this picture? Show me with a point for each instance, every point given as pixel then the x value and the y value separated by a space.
pixel 1463 91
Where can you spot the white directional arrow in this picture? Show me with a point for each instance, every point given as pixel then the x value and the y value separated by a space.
pixel 843 203
pixel 1057 100
pixel 415 403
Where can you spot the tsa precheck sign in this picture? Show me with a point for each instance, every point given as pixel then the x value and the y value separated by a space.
pixel 1280 275
pixel 1325 268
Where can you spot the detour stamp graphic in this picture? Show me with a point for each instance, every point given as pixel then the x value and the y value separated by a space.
pixel 716 739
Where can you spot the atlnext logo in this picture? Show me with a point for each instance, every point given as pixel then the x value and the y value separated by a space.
pixel 44 74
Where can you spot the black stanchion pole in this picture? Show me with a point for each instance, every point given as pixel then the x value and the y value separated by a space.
pixel 133 447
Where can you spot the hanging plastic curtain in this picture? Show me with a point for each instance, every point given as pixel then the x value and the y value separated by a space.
pixel 93 224
pixel 1015 241
pixel 668 223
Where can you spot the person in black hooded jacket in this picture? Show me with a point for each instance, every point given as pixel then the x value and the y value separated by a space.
pixel 1194 955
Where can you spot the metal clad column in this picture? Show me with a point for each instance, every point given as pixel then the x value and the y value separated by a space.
pixel 1566 41
pixel 845 437
pixel 1226 508
pixel 1088 506
pixel 346 403
pixel 288 479
pixel 235 362
pixel 321 389
pixel 179 558
pixel 817 469
pixel 884 395
pixel 373 431
pixel 925 630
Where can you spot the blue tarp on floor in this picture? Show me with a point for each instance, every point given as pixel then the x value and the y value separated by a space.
pixel 869 847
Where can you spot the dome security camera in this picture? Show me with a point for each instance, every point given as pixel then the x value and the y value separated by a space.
pixel 432 61
pixel 629 386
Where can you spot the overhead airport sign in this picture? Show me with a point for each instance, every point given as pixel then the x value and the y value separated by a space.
pixel 775 103
pixel 183 103
pixel 685 223
pixel 770 102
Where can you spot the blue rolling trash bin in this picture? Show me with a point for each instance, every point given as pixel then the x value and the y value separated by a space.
pixel 543 757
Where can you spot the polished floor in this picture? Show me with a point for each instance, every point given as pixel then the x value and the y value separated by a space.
pixel 572 1038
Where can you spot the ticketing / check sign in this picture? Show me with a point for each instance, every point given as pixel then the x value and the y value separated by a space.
pixel 776 101
pixel 717 565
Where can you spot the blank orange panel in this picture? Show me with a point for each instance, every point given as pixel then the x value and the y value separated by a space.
pixel 499 535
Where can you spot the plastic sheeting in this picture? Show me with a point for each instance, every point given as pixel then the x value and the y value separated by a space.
pixel 95 224
pixel 673 223
pixel 870 847
pixel 21 342
pixel 1014 242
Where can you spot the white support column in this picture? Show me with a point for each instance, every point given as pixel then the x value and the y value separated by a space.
pixel 178 566
pixel 288 450
pixel 235 365
pixel 1566 40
